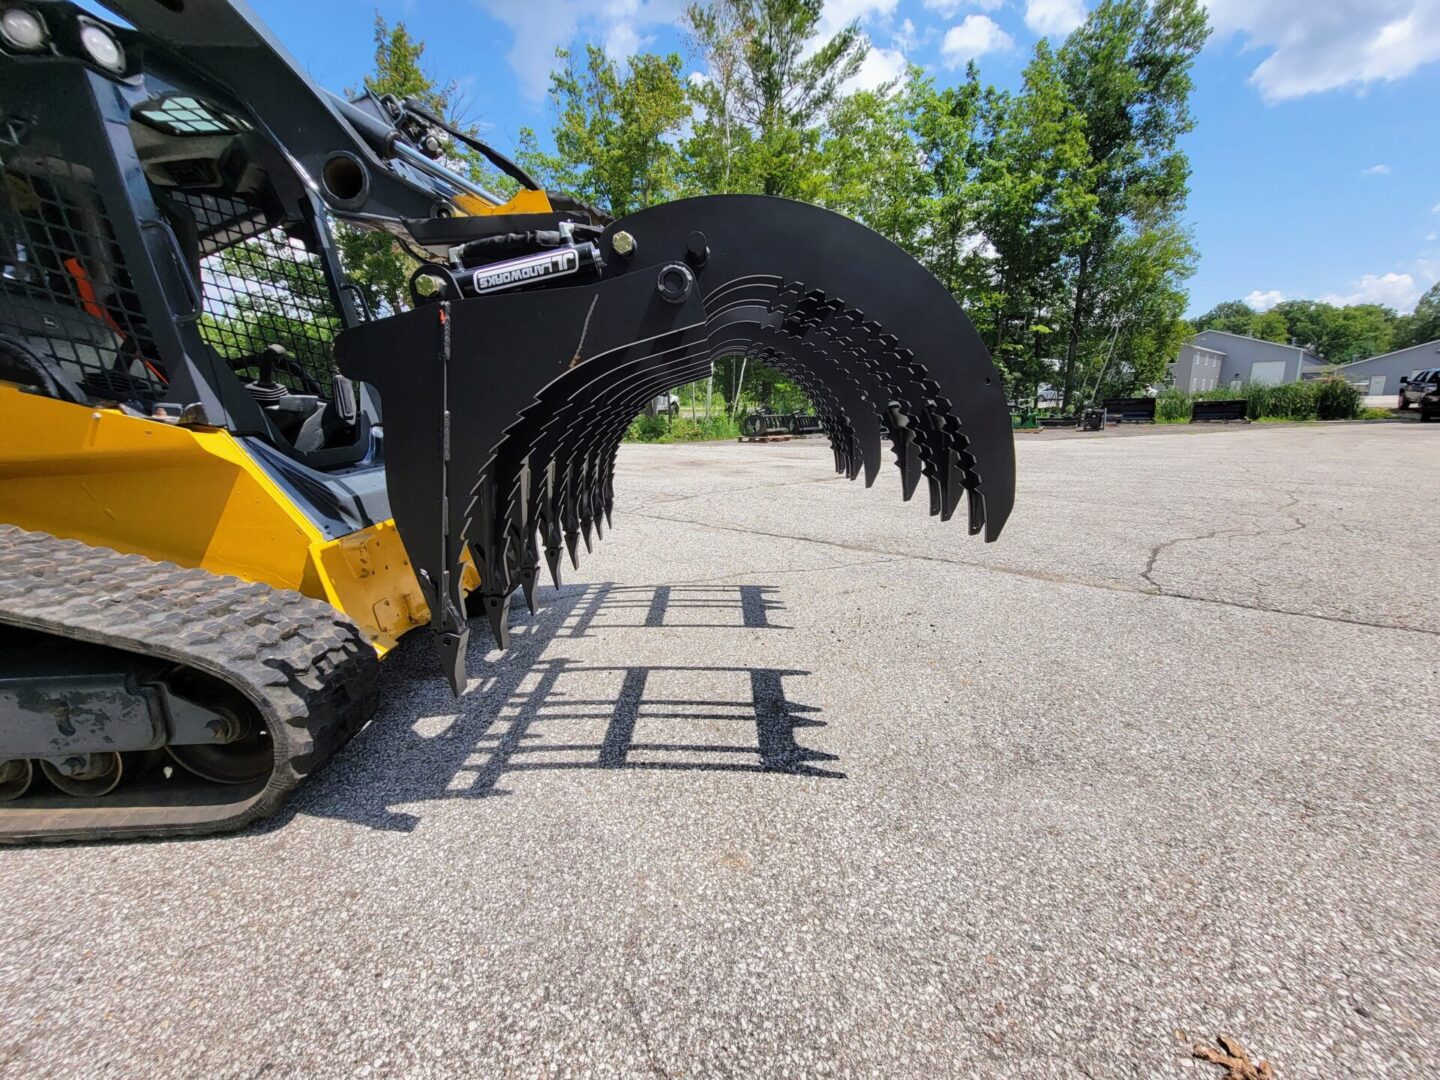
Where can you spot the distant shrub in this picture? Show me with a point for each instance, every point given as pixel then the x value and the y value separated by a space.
pixel 657 429
pixel 645 428
pixel 1336 399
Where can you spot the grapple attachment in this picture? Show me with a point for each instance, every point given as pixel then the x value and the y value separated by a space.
pixel 504 411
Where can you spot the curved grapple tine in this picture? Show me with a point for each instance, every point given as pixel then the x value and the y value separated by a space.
pixel 504 412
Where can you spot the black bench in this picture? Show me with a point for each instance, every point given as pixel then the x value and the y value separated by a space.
pixel 1219 412
pixel 1046 421
pixel 1129 410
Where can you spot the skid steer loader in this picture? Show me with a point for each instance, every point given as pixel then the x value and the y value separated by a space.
pixel 227 488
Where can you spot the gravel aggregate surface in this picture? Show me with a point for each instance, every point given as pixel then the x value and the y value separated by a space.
pixel 789 780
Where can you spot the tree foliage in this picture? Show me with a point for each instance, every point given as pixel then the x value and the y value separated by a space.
pixel 1053 213
pixel 765 94
pixel 615 134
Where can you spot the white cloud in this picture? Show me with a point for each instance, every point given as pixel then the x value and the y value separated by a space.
pixel 948 9
pixel 542 26
pixel 879 67
pixel 1057 17
pixel 975 36
pixel 623 26
pixel 1398 291
pixel 1317 45
pixel 1376 170
pixel 838 14
pixel 907 37
pixel 1264 301
pixel 1435 209
pixel 622 41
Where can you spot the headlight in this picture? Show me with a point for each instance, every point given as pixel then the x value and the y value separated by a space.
pixel 100 45
pixel 22 29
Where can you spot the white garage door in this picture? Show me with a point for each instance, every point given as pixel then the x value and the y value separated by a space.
pixel 1268 373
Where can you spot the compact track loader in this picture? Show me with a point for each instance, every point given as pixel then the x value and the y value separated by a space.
pixel 228 489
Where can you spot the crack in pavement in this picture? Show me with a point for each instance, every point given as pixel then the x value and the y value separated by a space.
pixel 1041 575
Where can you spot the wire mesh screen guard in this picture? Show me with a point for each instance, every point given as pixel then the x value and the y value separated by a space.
pixel 263 286
pixel 64 287
pixel 504 413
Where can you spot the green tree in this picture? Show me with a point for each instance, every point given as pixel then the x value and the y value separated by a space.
pixel 1339 334
pixel 1127 70
pixel 946 126
pixel 1424 323
pixel 764 95
pixel 1033 203
pixel 1232 316
pixel 1358 331
pixel 1271 326
pixel 615 135
pixel 872 170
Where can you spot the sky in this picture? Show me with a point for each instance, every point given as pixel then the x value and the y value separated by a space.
pixel 1315 158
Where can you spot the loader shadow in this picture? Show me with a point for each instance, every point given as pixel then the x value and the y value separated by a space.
pixel 527 712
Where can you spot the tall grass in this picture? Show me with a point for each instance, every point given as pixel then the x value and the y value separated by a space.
pixel 1318 399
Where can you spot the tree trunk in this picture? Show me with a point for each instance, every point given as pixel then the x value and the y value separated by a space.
pixel 1072 347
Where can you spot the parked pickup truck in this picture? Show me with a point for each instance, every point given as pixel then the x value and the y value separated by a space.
pixel 1422 391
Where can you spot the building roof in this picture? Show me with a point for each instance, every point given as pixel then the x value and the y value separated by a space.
pixel 1261 341
pixel 1207 348
pixel 1433 346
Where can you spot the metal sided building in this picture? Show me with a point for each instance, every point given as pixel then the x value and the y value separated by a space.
pixel 1217 358
pixel 1380 375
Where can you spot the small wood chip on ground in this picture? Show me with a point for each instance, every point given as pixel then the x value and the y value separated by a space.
pixel 1236 1059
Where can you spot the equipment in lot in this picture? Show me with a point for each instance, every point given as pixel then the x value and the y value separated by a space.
pixel 761 425
pixel 230 489
pixel 1057 420
pixel 1221 412
pixel 1129 410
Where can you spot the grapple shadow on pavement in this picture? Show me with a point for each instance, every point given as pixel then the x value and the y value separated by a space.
pixel 425 746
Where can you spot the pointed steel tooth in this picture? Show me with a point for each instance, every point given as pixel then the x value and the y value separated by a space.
pixel 528 576
pixel 572 545
pixel 451 649
pixel 552 560
pixel 955 486
pixel 585 535
pixel 497 610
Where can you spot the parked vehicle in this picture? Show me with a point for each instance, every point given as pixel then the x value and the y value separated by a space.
pixel 1423 391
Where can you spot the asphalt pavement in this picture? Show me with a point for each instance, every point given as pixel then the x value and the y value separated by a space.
pixel 790 779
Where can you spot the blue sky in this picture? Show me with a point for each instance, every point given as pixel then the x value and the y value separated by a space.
pixel 1316 157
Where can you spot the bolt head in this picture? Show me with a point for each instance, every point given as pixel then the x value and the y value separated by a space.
pixel 623 243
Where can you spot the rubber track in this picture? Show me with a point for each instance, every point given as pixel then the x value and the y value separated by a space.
pixel 310 670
